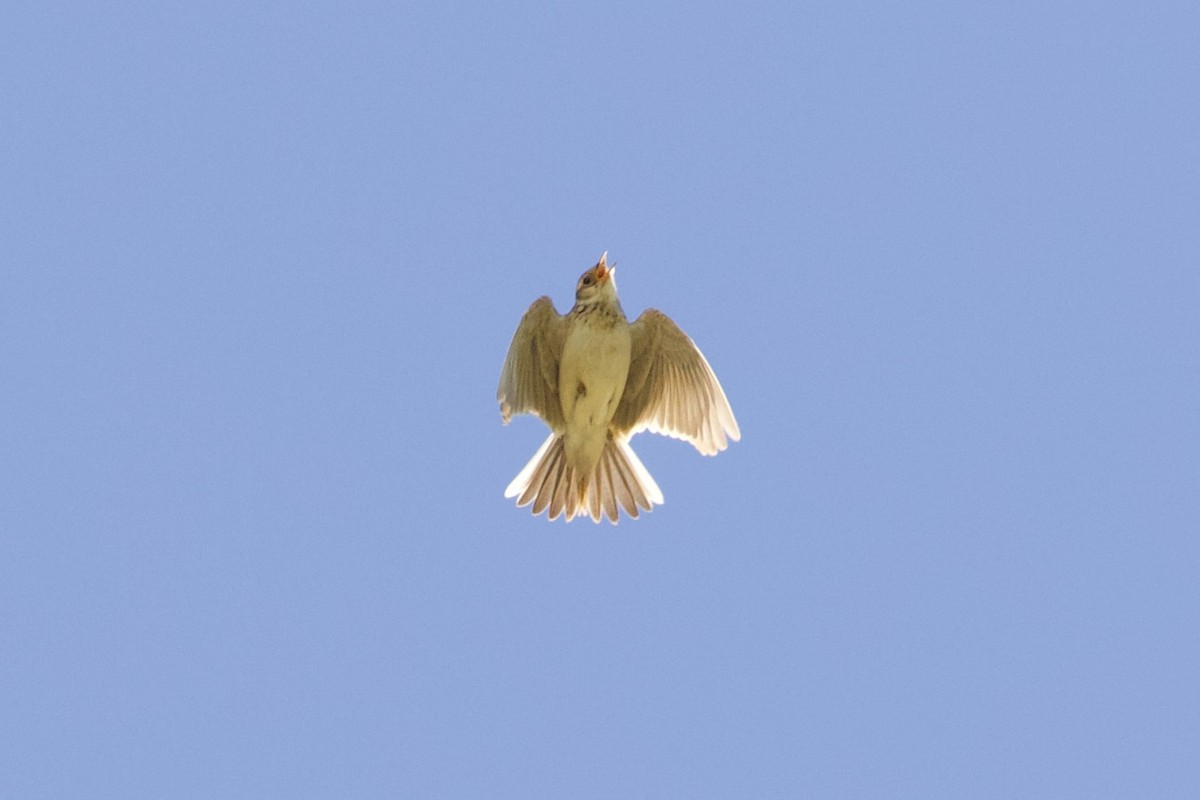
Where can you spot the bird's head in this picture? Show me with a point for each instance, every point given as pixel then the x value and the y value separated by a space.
pixel 597 284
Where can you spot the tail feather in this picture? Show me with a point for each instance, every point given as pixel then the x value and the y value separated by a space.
pixel 559 489
pixel 608 491
pixel 594 492
pixel 619 481
pixel 525 484
pixel 638 488
pixel 544 477
pixel 628 492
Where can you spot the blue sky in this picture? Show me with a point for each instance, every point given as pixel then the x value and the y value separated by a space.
pixel 261 266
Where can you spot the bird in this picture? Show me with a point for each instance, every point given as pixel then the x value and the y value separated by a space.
pixel 596 380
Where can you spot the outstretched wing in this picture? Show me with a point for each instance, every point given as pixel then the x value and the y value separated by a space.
pixel 672 390
pixel 529 380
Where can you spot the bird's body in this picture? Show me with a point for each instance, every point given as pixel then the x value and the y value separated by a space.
pixel 596 380
pixel 591 379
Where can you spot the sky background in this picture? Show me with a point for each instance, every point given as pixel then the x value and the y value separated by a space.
pixel 261 265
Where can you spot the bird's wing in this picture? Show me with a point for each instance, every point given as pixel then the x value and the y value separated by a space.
pixel 672 390
pixel 529 380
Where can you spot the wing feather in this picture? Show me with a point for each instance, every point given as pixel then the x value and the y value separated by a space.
pixel 672 390
pixel 529 380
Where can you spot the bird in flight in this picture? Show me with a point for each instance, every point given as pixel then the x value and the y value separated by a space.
pixel 596 379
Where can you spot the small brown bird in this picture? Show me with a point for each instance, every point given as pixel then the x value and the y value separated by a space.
pixel 596 380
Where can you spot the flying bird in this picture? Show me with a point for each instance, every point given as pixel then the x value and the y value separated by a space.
pixel 596 380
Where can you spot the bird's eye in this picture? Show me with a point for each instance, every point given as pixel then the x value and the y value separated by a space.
pixel 587 280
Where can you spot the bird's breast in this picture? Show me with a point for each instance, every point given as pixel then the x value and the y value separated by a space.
pixel 591 378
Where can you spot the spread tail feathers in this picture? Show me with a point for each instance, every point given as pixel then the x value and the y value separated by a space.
pixel 618 480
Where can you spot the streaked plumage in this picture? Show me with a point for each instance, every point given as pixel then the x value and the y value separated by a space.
pixel 597 380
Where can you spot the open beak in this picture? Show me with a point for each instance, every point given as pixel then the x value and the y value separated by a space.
pixel 602 270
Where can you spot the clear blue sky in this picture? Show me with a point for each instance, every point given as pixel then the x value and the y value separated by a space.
pixel 261 264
